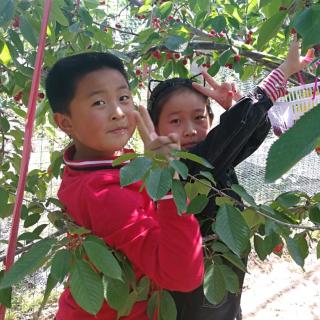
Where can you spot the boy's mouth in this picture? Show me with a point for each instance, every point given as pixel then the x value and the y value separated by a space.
pixel 119 130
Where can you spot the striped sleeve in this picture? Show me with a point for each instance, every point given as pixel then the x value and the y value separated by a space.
pixel 274 85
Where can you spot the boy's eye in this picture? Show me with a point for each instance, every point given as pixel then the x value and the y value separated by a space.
pixel 124 98
pixel 201 117
pixel 99 103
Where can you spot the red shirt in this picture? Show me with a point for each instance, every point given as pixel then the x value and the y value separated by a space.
pixel 159 243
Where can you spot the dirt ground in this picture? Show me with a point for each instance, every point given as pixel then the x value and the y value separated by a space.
pixel 279 289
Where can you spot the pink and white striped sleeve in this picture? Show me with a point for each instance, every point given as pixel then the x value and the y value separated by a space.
pixel 274 85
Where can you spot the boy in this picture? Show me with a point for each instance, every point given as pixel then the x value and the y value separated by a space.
pixel 176 107
pixel 91 101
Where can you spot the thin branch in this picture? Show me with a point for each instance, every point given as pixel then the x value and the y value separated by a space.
pixel 258 210
pixel 25 248
pixel 112 28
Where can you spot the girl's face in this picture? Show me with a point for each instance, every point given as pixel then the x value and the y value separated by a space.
pixel 185 114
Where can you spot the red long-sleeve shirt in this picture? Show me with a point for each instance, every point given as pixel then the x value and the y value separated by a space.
pixel 159 243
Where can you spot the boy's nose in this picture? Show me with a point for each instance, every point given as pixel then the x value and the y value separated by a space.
pixel 117 113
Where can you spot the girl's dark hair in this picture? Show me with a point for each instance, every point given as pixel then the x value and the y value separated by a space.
pixel 63 78
pixel 165 90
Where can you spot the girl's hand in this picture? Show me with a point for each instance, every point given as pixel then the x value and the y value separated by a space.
pixel 151 140
pixel 224 93
pixel 294 62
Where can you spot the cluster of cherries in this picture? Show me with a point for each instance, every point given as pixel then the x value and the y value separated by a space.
pixel 19 96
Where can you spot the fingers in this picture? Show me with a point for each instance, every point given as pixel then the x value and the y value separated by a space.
pixel 213 84
pixel 142 128
pixel 163 145
pixel 207 92
pixel 147 121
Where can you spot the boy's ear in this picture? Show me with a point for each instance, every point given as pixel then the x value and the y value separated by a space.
pixel 63 121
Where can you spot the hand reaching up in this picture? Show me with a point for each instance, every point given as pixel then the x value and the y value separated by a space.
pixel 294 62
pixel 224 93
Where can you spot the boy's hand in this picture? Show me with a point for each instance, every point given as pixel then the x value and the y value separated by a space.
pixel 151 140
pixel 224 93
pixel 294 62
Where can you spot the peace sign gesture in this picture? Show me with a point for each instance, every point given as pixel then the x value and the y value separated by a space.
pixel 151 140
pixel 224 93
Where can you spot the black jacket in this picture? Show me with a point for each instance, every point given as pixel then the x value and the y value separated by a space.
pixel 241 131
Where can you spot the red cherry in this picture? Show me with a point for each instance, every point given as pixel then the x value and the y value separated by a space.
pixel 138 72
pixel 106 29
pixel 169 55
pixel 18 96
pixel 317 149
pixel 237 58
pixel 141 85
pixel 184 61
pixel 178 20
pixel 277 131
pixel 118 25
pixel 293 31
pixel 40 95
pixel 102 2
pixel 282 8
pixel 16 22
pixel 177 55
pixel 170 18
pixel 250 33
pixel 278 248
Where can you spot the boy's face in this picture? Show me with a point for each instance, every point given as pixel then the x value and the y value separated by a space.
pixel 101 118
pixel 185 114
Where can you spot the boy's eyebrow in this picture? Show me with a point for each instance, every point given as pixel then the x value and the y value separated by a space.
pixel 103 91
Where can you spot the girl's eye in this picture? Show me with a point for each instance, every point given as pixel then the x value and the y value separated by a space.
pixel 124 98
pixel 175 121
pixel 99 103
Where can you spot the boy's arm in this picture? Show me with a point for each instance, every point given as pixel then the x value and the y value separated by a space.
pixel 159 243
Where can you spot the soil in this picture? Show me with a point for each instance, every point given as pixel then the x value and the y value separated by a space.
pixel 279 289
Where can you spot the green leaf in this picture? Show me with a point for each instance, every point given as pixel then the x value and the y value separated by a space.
pixel 231 279
pixel 50 285
pixel 165 8
pixel 116 293
pixel 288 199
pixel 220 201
pixel 143 289
pixel 167 70
pixel 197 204
pixel 58 15
pixel 168 310
pixel 31 220
pixel 7 8
pixel 219 247
pixel 103 259
pixel 293 145
pixel 218 23
pixel 214 69
pixel 180 167
pixel 193 157
pixel 86 287
pixel 123 158
pixel 28 31
pixel 179 195
pixel 314 214
pixel 134 171
pixel 61 264
pixel 5 294
pixel 204 4
pixel 224 57
pixel 16 40
pixel 209 176
pixel 214 285
pixel 318 250
pixel 252 218
pixel 264 246
pixel 232 229
pixel 158 182
pixel 298 249
pixel 270 28
pixel 307 24
pixel 152 305
pixel 235 260
pixel 243 194
pixel 173 43
pixel 27 263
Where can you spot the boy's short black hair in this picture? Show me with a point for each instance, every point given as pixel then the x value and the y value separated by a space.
pixel 62 79
pixel 164 91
